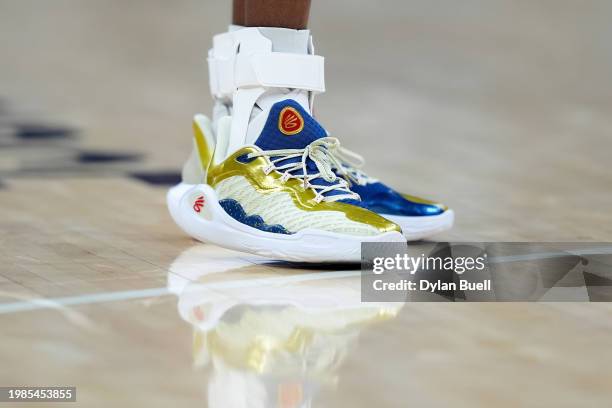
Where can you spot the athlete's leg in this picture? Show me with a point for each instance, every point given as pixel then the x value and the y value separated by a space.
pixel 238 12
pixel 271 13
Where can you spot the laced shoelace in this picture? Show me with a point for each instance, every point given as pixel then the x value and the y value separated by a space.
pixel 350 164
pixel 321 152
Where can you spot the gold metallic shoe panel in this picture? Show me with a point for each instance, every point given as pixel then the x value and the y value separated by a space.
pixel 253 171
pixel 420 200
pixel 204 150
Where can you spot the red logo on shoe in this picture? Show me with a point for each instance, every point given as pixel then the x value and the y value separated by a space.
pixel 290 121
pixel 199 313
pixel 198 204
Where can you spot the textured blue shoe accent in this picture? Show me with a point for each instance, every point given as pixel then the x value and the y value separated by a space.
pixel 383 199
pixel 235 210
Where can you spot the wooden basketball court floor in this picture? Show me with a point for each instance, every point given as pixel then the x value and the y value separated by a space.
pixel 500 110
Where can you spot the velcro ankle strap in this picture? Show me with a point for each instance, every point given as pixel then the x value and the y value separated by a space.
pixel 280 70
pixel 266 70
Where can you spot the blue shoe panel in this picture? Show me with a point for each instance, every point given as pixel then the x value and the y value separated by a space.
pixel 382 199
pixel 235 210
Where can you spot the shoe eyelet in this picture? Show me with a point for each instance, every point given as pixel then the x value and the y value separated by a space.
pixel 268 169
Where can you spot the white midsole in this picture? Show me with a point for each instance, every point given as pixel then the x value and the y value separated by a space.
pixel 415 228
pixel 212 224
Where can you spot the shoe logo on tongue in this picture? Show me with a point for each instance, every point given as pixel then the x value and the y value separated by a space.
pixel 290 122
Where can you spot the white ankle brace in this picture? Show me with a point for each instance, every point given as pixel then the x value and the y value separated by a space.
pixel 254 67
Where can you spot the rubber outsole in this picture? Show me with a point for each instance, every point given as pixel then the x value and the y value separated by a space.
pixel 415 228
pixel 196 210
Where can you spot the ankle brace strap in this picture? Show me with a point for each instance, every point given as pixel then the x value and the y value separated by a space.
pixel 244 63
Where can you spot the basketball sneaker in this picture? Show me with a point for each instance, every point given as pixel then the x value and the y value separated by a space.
pixel 260 66
pixel 265 182
pixel 278 197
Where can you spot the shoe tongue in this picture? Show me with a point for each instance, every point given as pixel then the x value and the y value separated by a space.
pixel 289 126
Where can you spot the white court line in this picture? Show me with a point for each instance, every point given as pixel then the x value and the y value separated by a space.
pixel 54 303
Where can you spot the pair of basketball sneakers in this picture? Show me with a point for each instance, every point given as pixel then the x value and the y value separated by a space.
pixel 266 178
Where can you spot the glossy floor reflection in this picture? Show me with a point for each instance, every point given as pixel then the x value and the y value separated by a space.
pixel 226 329
pixel 267 337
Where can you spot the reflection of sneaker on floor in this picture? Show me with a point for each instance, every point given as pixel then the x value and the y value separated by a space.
pixel 266 185
pixel 269 336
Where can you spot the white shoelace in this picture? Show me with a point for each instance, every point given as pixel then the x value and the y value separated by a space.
pixel 321 152
pixel 350 162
